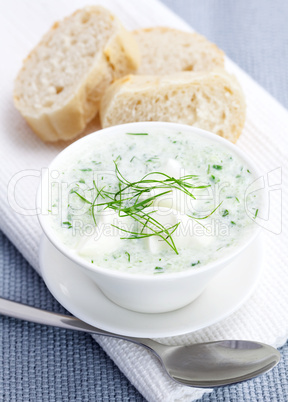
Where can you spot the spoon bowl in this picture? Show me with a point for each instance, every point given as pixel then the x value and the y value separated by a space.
pixel 201 365
pixel 218 363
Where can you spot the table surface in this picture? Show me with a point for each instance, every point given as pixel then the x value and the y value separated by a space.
pixel 39 363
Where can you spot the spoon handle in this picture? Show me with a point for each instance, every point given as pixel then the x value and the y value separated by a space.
pixel 39 316
pixel 44 317
pixel 178 362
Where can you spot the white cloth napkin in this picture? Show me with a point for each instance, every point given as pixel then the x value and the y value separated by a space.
pixel 265 139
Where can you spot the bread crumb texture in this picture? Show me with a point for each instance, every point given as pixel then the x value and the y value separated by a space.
pixel 166 50
pixel 212 101
pixel 60 85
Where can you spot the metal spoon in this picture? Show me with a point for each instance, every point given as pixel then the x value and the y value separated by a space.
pixel 204 365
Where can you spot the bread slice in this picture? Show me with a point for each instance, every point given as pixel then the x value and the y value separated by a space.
pixel 166 51
pixel 59 87
pixel 212 101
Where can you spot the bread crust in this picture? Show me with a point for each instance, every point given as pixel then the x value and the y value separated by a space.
pixel 69 120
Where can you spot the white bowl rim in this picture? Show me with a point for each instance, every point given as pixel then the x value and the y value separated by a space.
pixel 48 231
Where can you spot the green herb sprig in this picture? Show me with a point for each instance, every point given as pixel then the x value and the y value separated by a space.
pixel 133 198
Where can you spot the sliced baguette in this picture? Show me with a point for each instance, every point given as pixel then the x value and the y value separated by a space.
pixel 59 87
pixel 212 101
pixel 167 50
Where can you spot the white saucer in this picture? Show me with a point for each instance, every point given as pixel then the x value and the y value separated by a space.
pixel 79 295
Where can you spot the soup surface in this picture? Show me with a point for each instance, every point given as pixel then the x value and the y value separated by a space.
pixel 151 202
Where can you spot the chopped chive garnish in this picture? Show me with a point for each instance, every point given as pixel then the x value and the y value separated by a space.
pixel 92 261
pixel 248 171
pixel 82 181
pixel 96 163
pixel 229 196
pixel 225 212
pixel 86 170
pixel 68 224
pixel 195 263
pixel 238 175
pixel 152 159
pixel 137 133
pixel 233 223
pixel 208 170
pixel 159 270
pixel 237 199
pixel 256 213
pixel 213 178
pixel 128 255
pixel 133 157
pixel 217 167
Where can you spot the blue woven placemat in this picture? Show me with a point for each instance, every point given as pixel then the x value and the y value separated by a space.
pixel 39 363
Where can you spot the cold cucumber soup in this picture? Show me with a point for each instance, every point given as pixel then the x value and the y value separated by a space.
pixel 152 202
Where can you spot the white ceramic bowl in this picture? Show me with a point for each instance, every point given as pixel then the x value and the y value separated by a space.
pixel 140 292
